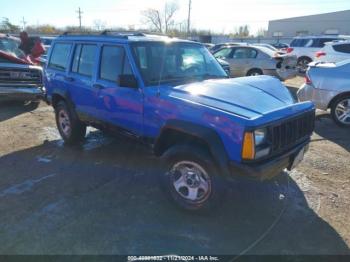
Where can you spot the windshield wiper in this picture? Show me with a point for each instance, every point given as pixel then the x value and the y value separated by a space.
pixel 209 76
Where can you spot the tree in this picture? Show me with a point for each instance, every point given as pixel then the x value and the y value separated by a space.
pixel 99 25
pixel 169 12
pixel 242 31
pixel 262 32
pixel 7 27
pixel 153 18
pixel 161 21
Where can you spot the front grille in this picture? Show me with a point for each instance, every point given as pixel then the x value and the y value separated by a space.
pixel 20 76
pixel 291 132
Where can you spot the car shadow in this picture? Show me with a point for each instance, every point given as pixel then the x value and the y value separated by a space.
pixel 104 197
pixel 326 128
pixel 10 109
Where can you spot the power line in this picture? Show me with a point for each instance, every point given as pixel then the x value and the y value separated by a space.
pixel 79 17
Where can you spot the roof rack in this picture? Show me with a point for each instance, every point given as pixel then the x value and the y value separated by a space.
pixel 113 33
pixel 122 33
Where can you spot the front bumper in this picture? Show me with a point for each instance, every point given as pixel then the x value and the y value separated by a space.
pixel 320 97
pixel 19 93
pixel 267 169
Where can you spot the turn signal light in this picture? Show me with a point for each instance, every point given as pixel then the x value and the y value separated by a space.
pixel 248 151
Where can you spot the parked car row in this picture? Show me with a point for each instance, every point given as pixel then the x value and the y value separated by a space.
pixel 249 60
pixel 309 48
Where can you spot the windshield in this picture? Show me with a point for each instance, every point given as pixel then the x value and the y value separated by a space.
pixel 11 47
pixel 161 62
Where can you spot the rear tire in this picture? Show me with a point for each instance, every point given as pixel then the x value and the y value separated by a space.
pixel 71 129
pixel 340 111
pixel 190 178
pixel 255 72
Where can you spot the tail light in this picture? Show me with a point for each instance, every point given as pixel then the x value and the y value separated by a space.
pixel 320 53
pixel 290 50
pixel 308 79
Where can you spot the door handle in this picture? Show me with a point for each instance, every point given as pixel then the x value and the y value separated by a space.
pixel 69 79
pixel 98 86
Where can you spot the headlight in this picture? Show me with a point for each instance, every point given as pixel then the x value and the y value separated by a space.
pixel 260 136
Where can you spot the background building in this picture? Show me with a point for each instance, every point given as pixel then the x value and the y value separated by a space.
pixel 329 23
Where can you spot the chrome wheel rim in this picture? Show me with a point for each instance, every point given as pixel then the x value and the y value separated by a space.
pixel 64 122
pixel 342 111
pixel 191 181
pixel 255 74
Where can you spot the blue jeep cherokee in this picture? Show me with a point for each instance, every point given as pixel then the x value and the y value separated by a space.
pixel 174 96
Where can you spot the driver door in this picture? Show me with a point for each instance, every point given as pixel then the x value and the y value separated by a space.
pixel 117 105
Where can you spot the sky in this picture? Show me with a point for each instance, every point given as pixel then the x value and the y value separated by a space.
pixel 221 16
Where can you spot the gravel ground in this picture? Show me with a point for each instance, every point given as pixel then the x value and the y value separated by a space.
pixel 104 198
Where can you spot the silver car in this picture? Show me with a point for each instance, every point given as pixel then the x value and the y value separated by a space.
pixel 257 60
pixel 328 86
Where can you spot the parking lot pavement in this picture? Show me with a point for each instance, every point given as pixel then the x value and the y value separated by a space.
pixel 104 198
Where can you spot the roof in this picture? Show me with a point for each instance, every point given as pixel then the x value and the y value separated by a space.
pixel 325 15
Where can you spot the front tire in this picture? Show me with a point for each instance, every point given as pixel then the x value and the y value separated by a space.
pixel 71 129
pixel 340 111
pixel 190 178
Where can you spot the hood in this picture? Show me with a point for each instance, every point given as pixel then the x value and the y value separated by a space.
pixel 249 97
pixel 14 59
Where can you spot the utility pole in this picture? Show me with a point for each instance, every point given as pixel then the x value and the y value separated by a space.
pixel 24 23
pixel 189 17
pixel 79 17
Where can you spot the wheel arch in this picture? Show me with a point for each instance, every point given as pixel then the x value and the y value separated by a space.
pixel 334 99
pixel 177 132
pixel 304 57
pixel 254 69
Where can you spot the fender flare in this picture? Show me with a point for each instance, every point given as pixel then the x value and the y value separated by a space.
pixel 206 134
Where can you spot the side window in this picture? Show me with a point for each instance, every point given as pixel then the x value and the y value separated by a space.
pixel 245 53
pixel 87 60
pixel 343 48
pixel 60 55
pixel 225 52
pixel 114 62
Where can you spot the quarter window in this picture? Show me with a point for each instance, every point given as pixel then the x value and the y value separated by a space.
pixel 60 55
pixel 343 48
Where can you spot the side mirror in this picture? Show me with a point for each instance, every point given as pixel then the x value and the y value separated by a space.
pixel 127 81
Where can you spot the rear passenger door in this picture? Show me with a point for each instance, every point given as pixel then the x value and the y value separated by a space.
pixel 118 105
pixel 80 79
pixel 243 59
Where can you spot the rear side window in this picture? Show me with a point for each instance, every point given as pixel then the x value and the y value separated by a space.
pixel 300 42
pixel 60 55
pixel 320 42
pixel 245 53
pixel 343 48
pixel 114 62
pixel 84 59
